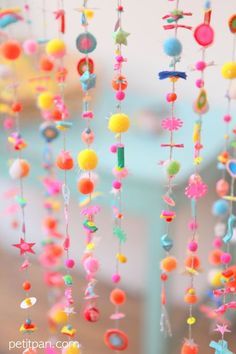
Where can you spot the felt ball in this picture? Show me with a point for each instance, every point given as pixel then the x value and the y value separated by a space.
pixel 85 186
pixel 87 136
pixel 69 263
pixel 117 297
pixel 164 277
pixel 120 95
pixel 189 348
pixel 119 123
pixel 116 185
pixel 169 264
pixel 30 46
pixel 113 149
pixel 227 118
pixel 191 297
pixel 19 168
pixel 87 160
pixel 214 257
pixel 220 207
pixel 116 278
pixel 65 161
pixel 173 167
pixel 50 222
pixel 200 83
pixel 45 100
pixel 91 264
pixel 26 286
pixel 200 65
pixel 56 48
pixel 228 70
pixel 222 187
pixel 46 64
pixel 193 246
pixel 16 107
pixel 11 50
pixel 226 258
pixel 171 97
pixel 91 314
pixel 8 123
pixel 217 242
pixel 192 262
pixel 172 47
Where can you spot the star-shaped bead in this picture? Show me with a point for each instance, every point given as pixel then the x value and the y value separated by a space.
pixel 120 36
pixel 222 329
pixel 88 81
pixel 24 247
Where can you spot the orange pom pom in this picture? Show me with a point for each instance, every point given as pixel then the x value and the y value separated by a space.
pixel 65 161
pixel 215 257
pixel 26 285
pixel 193 262
pixel 169 264
pixel 189 347
pixel 85 186
pixel 50 223
pixel 46 64
pixel 16 107
pixel 191 297
pixel 117 297
pixel 11 50
pixel 56 115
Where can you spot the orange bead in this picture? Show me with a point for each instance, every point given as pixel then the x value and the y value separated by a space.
pixel 169 264
pixel 16 107
pixel 11 50
pixel 215 257
pixel 50 222
pixel 46 64
pixel 119 83
pixel 189 348
pixel 65 161
pixel 192 262
pixel 85 186
pixel 191 297
pixel 117 297
pixel 26 285
pixel 222 188
pixel 56 115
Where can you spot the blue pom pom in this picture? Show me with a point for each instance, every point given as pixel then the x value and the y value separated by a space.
pixel 172 47
pixel 220 207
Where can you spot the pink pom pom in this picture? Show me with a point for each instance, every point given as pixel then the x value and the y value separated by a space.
pixel 123 173
pixel 217 243
pixel 226 258
pixel 120 95
pixel 193 226
pixel 227 118
pixel 113 149
pixel 200 65
pixel 116 278
pixel 70 263
pixel 30 46
pixel 8 123
pixel 116 185
pixel 91 265
pixel 200 83
pixel 193 246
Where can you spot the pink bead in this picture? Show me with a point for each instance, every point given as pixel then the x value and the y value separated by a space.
pixel 116 278
pixel 30 46
pixel 226 258
pixel 70 263
pixel 193 246
pixel 200 65
pixel 227 118
pixel 87 137
pixel 222 187
pixel 116 185
pixel 193 226
pixel 113 149
pixel 200 83
pixel 8 123
pixel 120 95
pixel 217 243
pixel 119 59
pixel 91 265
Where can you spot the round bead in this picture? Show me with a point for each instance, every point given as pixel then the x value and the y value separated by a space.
pixel 19 168
pixel 65 161
pixel 191 297
pixel 85 186
pixel 116 340
pixel 113 149
pixel 117 297
pixel 189 347
pixel 169 264
pixel 116 278
pixel 91 314
pixel 26 286
pixel 45 100
pixel 87 160
pixel 228 70
pixel 193 246
pixel 172 47
pixel 46 64
pixel 88 136
pixel 227 118
pixel 56 48
pixel 191 321
pixel 215 257
pixel 173 168
pixel 8 123
pixel 200 65
pixel 71 349
pixel 226 258
pixel 192 262
pixel 116 185
pixel 200 83
pixel 217 243
pixel 16 107
pixel 222 187
pixel 220 207
pixel 70 263
pixel 11 50
pixel 91 264
pixel 171 97
pixel 164 277
pixel 120 95
pixel 30 46
pixel 119 123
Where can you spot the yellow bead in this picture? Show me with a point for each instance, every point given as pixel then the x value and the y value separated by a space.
pixel 121 258
pixel 89 13
pixel 45 100
pixel 119 123
pixel 191 321
pixel 228 70
pixel 87 160
pixel 90 246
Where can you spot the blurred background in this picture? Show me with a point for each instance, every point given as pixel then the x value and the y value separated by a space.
pixel 146 106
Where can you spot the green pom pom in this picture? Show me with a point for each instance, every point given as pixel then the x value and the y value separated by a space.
pixel 173 168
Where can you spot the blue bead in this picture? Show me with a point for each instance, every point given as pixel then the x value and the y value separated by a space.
pixel 172 47
pixel 220 207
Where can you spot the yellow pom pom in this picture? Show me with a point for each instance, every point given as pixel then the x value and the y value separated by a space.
pixel 88 13
pixel 119 123
pixel 56 48
pixel 228 70
pixel 72 349
pixel 216 279
pixel 45 100
pixel 87 160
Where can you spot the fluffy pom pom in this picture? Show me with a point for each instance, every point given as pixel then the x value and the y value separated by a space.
pixel 119 123
pixel 87 160
pixel 172 47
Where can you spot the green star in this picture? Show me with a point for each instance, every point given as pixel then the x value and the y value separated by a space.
pixel 120 36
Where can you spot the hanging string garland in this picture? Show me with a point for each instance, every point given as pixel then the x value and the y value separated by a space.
pixel 196 188
pixel 115 339
pixel 224 207
pixel 88 160
pixel 172 48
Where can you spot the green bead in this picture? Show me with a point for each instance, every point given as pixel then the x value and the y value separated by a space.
pixel 173 168
pixel 121 157
pixel 68 280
